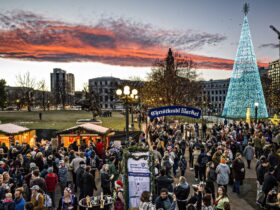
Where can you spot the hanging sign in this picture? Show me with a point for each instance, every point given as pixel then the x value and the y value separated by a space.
pixel 175 110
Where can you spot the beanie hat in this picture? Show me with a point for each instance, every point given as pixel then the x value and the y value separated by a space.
pixel 223 160
pixel 118 184
pixel 50 169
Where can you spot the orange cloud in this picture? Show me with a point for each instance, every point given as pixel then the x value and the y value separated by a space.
pixel 117 42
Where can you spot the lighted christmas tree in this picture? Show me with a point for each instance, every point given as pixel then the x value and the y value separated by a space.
pixel 245 88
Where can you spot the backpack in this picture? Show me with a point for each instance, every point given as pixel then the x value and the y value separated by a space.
pixel 47 201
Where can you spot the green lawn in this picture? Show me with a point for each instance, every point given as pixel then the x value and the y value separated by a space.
pixel 59 119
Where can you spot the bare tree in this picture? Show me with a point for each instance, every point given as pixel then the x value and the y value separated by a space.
pixel 27 85
pixel 42 87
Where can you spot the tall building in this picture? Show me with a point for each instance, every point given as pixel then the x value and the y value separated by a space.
pixel 274 74
pixel 62 86
pixel 245 88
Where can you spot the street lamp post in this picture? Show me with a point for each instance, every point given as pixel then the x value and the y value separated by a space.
pixel 256 111
pixel 126 93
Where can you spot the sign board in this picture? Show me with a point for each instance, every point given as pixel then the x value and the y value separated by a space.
pixel 138 178
pixel 175 110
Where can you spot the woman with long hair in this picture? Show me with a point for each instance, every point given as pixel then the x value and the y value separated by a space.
pixel 68 201
pixel 221 198
pixel 145 203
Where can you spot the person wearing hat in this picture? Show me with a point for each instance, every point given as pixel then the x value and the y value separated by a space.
pixel 238 170
pixel 51 183
pixel 223 172
pixel 119 201
pixel 37 198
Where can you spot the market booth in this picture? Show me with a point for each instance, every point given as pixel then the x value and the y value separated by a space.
pixel 9 133
pixel 87 131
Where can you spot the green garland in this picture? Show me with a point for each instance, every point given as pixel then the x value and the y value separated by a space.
pixel 128 153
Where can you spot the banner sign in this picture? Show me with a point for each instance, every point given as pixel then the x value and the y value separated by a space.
pixel 175 110
pixel 138 179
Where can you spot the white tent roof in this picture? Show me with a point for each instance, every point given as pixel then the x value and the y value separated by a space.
pixel 90 127
pixel 10 128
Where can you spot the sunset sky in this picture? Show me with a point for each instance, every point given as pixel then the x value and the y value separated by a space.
pixel 122 38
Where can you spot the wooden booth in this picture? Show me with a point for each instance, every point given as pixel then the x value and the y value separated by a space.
pixel 88 132
pixel 10 133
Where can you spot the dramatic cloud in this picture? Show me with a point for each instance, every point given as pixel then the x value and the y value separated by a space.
pixel 269 45
pixel 113 41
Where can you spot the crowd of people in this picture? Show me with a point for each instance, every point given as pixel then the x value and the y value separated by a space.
pixel 218 156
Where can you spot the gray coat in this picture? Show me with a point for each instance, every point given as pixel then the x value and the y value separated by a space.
pixel 249 152
pixel 222 172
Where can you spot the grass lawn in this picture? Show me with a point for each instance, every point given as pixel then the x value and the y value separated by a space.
pixel 59 119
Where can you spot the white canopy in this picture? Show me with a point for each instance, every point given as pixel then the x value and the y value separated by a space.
pixel 10 128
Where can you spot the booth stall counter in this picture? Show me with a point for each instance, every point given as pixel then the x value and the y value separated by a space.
pixel 85 132
pixel 11 133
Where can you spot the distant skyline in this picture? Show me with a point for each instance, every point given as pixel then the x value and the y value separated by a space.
pixel 90 38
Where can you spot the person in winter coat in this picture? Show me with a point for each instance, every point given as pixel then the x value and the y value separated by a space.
pixel 202 160
pixel 87 183
pixel 211 177
pixel 238 170
pixel 19 200
pixel 62 175
pixel 106 180
pixel 223 172
pixel 8 203
pixel 249 153
pixel 51 183
pixel 269 182
pixel 182 191
pixel 196 153
pixel 68 201
pixel 37 180
pixel 183 165
pixel 164 181
pixel 79 173
pixel 165 201
pixel 37 198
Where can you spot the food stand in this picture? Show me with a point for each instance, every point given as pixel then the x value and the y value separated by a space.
pixel 10 133
pixel 87 131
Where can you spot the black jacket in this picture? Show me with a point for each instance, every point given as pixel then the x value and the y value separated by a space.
pixel 87 184
pixel 164 182
pixel 79 173
pixel 269 182
pixel 260 173
pixel 237 165
pixel 182 192
pixel 105 180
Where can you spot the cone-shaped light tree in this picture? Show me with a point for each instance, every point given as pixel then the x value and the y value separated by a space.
pixel 245 88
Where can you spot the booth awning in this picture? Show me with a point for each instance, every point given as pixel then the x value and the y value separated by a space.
pixel 91 128
pixel 12 129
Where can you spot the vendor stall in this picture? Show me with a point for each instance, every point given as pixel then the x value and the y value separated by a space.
pixel 10 133
pixel 87 132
